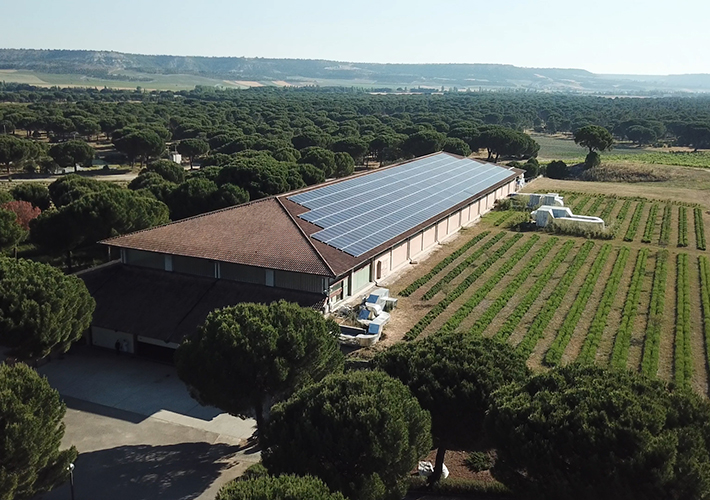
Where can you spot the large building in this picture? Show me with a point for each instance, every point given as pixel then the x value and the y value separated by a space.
pixel 317 246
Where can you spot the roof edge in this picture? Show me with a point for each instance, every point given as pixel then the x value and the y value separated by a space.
pixel 307 238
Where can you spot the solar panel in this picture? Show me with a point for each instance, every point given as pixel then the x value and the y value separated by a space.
pixel 362 213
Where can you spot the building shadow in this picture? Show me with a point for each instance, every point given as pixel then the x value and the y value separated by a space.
pixel 104 411
pixel 143 472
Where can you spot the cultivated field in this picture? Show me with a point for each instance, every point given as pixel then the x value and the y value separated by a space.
pixel 639 300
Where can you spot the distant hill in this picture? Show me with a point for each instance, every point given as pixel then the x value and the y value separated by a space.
pixel 243 71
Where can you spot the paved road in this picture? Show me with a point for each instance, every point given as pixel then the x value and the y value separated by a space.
pixel 139 434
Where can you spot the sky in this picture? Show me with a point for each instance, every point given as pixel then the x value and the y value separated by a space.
pixel 603 36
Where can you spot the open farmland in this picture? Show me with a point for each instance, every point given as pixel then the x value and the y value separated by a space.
pixel 636 300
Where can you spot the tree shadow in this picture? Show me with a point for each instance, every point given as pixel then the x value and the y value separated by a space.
pixel 143 472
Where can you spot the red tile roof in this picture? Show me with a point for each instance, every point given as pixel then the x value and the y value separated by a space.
pixel 259 233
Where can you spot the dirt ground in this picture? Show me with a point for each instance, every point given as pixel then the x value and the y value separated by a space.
pixel 686 185
pixel 455 461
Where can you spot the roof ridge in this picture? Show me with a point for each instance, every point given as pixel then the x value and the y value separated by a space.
pixel 307 238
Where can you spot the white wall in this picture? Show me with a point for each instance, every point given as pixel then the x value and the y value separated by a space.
pixel 399 255
pixel 103 337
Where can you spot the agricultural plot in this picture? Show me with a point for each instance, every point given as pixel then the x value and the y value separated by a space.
pixel 640 301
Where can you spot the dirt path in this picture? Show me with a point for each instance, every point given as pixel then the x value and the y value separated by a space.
pixel 655 190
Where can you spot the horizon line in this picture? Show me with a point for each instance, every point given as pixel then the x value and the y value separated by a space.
pixel 358 62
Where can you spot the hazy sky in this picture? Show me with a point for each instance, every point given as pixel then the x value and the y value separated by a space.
pixel 603 36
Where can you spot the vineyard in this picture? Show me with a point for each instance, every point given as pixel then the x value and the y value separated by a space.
pixel 640 301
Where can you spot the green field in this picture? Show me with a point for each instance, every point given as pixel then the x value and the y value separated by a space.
pixel 558 299
pixel 560 148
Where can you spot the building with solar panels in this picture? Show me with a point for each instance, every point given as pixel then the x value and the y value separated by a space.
pixel 318 246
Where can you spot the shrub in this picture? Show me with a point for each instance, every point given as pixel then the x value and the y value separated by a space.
pixel 531 168
pixel 704 268
pixel 682 359
pixel 650 224
pixel 682 226
pixel 588 433
pixel 623 173
pixel 571 228
pixel 284 487
pixel 465 264
pixel 466 309
pixel 592 160
pixel 595 206
pixel 609 208
pixel 557 170
pixel 665 226
pixel 581 204
pixel 485 319
pixel 479 461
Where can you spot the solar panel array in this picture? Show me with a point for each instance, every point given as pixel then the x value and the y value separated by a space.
pixel 360 214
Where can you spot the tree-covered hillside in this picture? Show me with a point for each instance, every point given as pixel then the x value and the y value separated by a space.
pixel 139 67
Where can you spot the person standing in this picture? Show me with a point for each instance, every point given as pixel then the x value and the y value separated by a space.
pixel 117 346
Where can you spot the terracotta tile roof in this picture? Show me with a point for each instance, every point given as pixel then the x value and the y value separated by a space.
pixel 260 233
pixel 170 306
